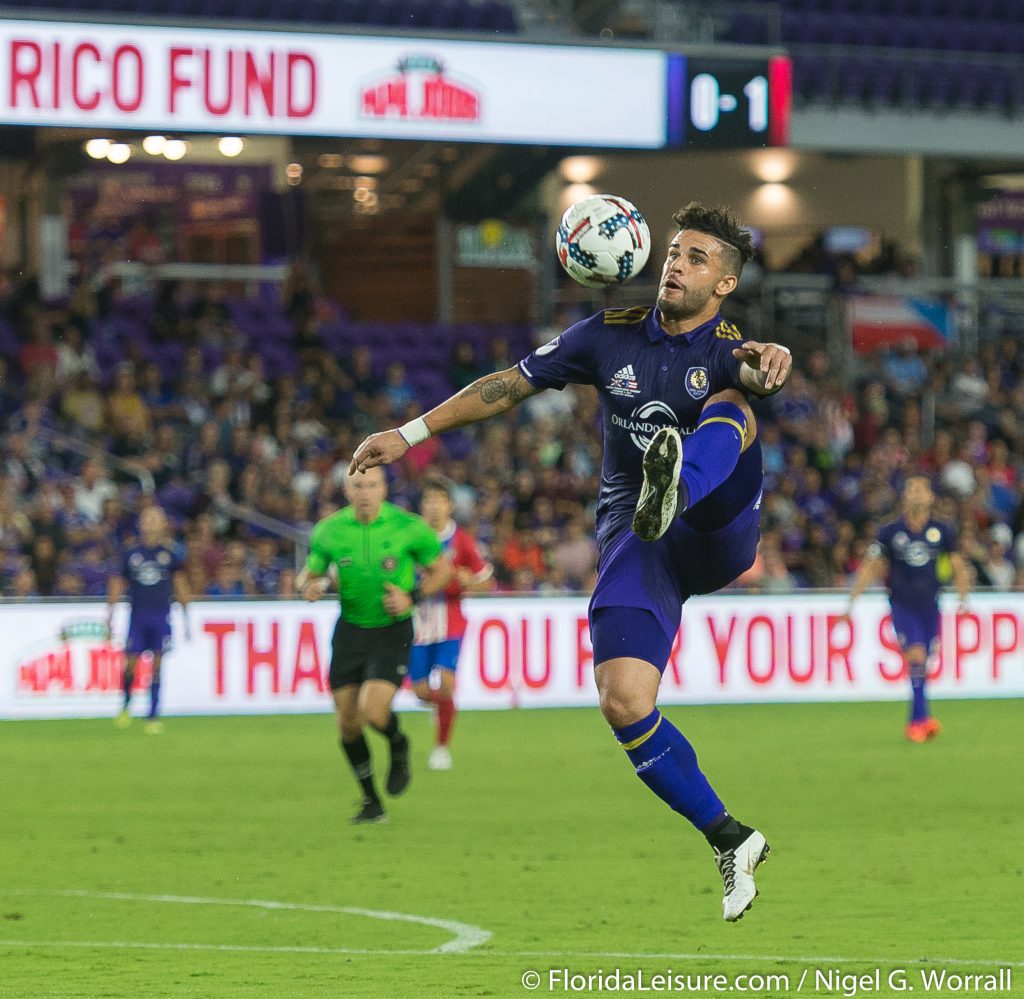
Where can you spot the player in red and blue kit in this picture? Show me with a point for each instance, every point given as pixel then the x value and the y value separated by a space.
pixel 920 553
pixel 673 520
pixel 439 622
pixel 151 575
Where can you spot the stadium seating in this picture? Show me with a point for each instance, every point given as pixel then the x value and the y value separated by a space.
pixel 483 17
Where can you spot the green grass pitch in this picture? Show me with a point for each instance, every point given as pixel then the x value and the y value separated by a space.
pixel 124 859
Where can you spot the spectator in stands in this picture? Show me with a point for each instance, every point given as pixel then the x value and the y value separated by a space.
pixel 904 368
pixel 575 557
pixel 38 357
pixel 82 405
pixel 125 407
pixel 74 356
pixel 463 367
pixel 158 398
pixel 398 390
pixel 92 490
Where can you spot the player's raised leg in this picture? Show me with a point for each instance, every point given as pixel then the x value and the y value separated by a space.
pixel 375 699
pixel 677 476
pixel 662 756
pixel 356 749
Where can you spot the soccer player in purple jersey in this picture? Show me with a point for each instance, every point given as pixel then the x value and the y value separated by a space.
pixel 673 520
pixel 920 554
pixel 152 575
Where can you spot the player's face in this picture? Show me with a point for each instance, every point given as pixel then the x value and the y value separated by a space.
pixel 917 494
pixel 436 508
pixel 694 271
pixel 366 491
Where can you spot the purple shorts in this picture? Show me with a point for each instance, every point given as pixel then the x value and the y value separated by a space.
pixel 660 576
pixel 916 626
pixel 147 633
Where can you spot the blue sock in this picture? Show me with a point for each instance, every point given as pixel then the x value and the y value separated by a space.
pixel 918 705
pixel 711 452
pixel 667 764
pixel 154 698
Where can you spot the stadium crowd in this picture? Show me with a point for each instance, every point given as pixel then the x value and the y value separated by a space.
pixel 235 454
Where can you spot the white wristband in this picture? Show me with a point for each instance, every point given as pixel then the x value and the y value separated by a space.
pixel 414 432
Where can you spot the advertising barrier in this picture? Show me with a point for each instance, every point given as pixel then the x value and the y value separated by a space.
pixel 271 657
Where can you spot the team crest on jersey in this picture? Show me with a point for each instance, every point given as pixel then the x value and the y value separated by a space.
pixel 933 534
pixel 163 558
pixel 726 331
pixel 389 564
pixel 697 382
pixel 624 383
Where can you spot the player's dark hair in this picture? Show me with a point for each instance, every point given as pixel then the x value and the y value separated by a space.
pixel 722 224
pixel 437 484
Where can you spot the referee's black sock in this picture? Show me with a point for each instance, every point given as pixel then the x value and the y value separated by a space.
pixel 392 732
pixel 358 753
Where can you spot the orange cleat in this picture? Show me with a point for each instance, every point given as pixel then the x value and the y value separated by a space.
pixel 917 731
pixel 932 727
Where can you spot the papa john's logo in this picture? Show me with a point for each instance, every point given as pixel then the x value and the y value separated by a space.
pixel 645 421
pixel 697 382
pixel 421 90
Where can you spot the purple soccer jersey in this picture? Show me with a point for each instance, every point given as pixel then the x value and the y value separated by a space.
pixel 914 558
pixel 149 572
pixel 646 380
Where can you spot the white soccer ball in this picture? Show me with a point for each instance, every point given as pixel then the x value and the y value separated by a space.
pixel 603 240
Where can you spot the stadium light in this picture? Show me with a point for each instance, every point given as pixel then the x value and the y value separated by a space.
pixel 772 201
pixel 230 145
pixel 773 166
pixel 175 149
pixel 154 144
pixel 580 169
pixel 367 163
pixel 98 148
pixel 119 152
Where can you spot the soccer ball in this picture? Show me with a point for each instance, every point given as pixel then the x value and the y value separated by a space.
pixel 603 240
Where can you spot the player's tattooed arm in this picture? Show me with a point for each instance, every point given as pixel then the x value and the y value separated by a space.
pixel 504 388
pixel 486 397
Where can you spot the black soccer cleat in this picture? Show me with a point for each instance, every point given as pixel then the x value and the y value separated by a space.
pixel 371 811
pixel 659 496
pixel 399 773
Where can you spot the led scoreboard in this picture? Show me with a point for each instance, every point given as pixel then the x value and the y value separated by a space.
pixel 729 103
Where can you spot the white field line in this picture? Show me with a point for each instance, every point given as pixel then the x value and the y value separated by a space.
pixel 812 961
pixel 464 936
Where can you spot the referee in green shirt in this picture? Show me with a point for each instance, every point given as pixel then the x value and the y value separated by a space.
pixel 376 548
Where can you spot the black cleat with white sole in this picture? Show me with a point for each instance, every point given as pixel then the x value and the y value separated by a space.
pixel 659 496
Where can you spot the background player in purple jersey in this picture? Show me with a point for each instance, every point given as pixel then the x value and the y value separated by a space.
pixel 151 575
pixel 672 521
pixel 920 553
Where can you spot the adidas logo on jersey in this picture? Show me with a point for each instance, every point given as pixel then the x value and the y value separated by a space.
pixel 624 382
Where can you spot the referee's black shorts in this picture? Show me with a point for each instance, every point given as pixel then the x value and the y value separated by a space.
pixel 361 654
